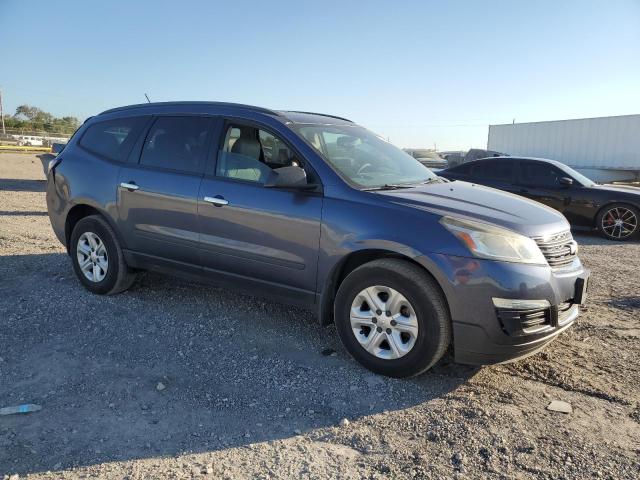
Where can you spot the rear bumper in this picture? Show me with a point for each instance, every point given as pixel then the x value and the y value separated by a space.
pixel 55 208
pixel 484 334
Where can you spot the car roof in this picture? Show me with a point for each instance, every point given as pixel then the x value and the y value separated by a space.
pixel 200 106
pixel 519 159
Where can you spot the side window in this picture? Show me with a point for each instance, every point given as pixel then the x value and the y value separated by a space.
pixel 250 154
pixel 495 170
pixel 176 143
pixel 112 139
pixel 541 174
pixel 464 169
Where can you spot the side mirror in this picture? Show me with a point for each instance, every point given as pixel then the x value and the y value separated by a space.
pixel 566 181
pixel 288 177
pixel 56 148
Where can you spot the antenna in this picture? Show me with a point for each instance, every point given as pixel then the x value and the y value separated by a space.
pixel 147 97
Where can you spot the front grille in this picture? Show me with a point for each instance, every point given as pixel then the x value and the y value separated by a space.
pixel 559 249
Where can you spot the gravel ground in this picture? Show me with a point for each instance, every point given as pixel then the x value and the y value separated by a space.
pixel 180 380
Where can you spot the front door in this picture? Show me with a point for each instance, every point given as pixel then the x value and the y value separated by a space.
pixel 540 181
pixel 256 236
pixel 158 196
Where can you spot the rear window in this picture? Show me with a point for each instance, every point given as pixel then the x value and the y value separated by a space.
pixel 113 138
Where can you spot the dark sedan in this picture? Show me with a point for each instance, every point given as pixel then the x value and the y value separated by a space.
pixel 613 209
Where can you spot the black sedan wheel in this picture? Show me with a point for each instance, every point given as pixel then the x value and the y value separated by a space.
pixel 618 221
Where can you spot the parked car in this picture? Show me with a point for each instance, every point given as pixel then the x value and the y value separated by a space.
pixel 614 210
pixel 30 141
pixel 328 216
pixel 429 158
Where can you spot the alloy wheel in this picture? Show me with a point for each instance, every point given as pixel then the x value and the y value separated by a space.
pixel 619 222
pixel 384 322
pixel 92 257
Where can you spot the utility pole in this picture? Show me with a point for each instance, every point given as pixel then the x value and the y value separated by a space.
pixel 4 132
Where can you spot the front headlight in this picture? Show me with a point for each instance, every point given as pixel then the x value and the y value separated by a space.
pixel 495 243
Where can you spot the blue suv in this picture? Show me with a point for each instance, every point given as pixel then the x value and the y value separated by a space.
pixel 315 210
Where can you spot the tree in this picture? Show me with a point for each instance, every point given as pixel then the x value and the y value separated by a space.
pixel 28 117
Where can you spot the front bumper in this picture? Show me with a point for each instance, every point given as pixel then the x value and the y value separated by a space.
pixel 485 334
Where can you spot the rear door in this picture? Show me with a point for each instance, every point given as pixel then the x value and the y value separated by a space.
pixel 158 191
pixel 499 173
pixel 258 237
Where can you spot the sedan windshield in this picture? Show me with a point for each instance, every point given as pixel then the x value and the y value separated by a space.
pixel 363 158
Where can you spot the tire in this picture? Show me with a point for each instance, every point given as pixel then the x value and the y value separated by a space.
pixel 117 276
pixel 427 308
pixel 610 214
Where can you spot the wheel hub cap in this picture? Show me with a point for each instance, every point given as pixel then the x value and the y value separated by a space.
pixel 619 222
pixel 92 257
pixel 384 322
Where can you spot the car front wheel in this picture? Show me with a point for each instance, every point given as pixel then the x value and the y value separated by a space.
pixel 393 318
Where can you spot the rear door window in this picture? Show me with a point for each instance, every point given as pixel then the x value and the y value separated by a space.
pixel 112 139
pixel 177 143
pixel 464 169
pixel 494 170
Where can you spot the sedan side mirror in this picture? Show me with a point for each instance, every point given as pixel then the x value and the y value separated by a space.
pixel 566 181
pixel 288 177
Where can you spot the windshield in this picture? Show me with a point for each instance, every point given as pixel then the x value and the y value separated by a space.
pixel 363 158
pixel 584 181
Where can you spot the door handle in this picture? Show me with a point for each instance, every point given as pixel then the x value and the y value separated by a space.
pixel 218 201
pixel 129 186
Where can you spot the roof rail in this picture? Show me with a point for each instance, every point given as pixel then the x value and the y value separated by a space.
pixel 217 104
pixel 321 114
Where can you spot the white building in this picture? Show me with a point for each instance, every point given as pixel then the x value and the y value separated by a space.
pixel 604 148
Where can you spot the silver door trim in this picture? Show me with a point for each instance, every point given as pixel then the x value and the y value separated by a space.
pixel 216 201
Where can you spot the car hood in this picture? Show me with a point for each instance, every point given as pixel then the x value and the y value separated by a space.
pixel 626 189
pixel 485 204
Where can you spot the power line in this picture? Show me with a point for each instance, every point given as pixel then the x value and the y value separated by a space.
pixel 4 132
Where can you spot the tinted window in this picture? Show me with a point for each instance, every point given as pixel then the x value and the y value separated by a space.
pixel 251 154
pixel 463 169
pixel 541 174
pixel 112 138
pixel 496 170
pixel 176 143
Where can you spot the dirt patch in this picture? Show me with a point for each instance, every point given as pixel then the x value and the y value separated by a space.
pixel 253 389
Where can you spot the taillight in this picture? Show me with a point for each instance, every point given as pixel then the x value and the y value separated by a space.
pixel 53 164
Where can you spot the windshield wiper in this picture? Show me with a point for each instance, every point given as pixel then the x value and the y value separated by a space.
pixel 396 186
pixel 389 186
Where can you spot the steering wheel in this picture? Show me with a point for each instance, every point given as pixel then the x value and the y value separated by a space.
pixel 363 168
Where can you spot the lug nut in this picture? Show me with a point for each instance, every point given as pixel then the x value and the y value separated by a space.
pixel 378 312
pixel 389 331
pixel 388 313
pixel 393 323
pixel 374 320
pixel 379 329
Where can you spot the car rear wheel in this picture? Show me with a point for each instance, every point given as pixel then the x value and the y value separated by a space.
pixel 97 257
pixel 618 222
pixel 393 318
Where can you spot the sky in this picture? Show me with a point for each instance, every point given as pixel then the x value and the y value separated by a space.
pixel 421 73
